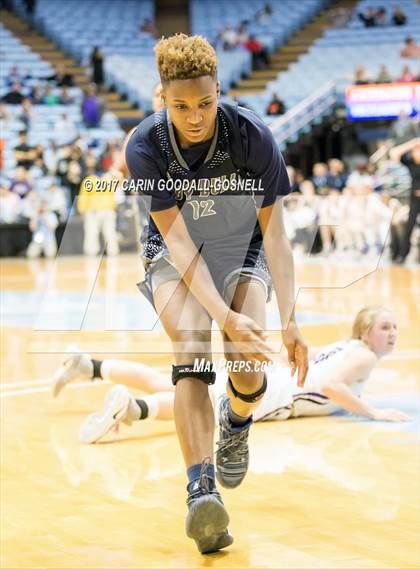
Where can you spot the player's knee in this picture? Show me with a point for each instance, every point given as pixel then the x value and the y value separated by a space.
pixel 190 344
pixel 250 388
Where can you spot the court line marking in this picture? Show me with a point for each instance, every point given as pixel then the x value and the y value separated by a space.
pixel 30 382
pixel 48 389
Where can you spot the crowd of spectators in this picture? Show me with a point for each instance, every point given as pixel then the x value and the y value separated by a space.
pixel 372 17
pixel 361 77
pixel 233 38
pixel 353 214
pixel 44 190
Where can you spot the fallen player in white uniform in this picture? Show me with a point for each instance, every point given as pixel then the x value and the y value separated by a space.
pixel 337 375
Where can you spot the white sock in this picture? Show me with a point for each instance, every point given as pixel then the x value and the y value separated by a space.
pixel 152 403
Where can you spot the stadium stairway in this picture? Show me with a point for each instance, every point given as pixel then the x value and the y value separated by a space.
pixel 291 51
pixel 49 52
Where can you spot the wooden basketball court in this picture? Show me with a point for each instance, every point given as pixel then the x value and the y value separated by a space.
pixel 332 492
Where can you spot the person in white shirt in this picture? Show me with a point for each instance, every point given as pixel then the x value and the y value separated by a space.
pixel 337 375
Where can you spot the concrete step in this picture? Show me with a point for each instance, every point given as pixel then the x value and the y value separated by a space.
pixel 128 114
pixel 239 92
pixel 252 83
pixel 119 106
pixel 267 74
pixel 111 96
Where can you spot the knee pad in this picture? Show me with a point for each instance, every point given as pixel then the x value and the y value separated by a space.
pixel 182 371
pixel 249 397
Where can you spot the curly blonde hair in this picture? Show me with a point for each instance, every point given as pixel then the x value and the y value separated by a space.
pixel 185 57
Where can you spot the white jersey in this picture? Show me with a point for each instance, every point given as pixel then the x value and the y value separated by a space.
pixel 284 399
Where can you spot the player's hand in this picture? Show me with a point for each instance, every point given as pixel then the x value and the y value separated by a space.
pixel 297 352
pixel 393 415
pixel 249 338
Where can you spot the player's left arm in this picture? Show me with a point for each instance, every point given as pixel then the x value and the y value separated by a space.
pixel 280 262
pixel 265 163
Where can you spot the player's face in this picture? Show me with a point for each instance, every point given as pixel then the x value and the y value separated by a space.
pixel 192 105
pixel 381 338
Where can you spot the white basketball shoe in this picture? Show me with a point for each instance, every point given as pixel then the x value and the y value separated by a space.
pixel 119 407
pixel 76 365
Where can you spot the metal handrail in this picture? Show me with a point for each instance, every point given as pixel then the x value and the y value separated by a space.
pixel 286 126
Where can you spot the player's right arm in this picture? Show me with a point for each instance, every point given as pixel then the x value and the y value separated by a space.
pixel 336 386
pixel 185 256
pixel 196 275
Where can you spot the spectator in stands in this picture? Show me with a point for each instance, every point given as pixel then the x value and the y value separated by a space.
pixel 242 34
pixel 264 13
pixel 383 75
pixel 97 66
pixel 99 216
pixel 73 178
pixel 410 49
pixel 30 205
pixel 368 17
pixel 39 159
pixel 409 154
pixel 14 96
pixel 108 157
pixel 14 76
pixel 259 53
pixel 43 224
pixel 148 27
pixel 20 185
pixel 229 38
pixel 24 154
pixel 49 97
pixel 398 17
pixel 51 158
pixel 336 177
pixel 399 219
pixel 338 16
pixel 320 177
pixel 360 76
pixel 380 16
pixel 10 205
pixel 65 97
pixel 406 76
pixel 330 216
pixel 361 178
pixel 30 6
pixel 61 77
pixel 276 106
pixel 403 129
pixel 56 199
pixel 91 108
pixel 35 94
pixel 26 112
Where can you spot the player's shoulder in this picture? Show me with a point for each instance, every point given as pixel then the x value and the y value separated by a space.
pixel 146 139
pixel 360 354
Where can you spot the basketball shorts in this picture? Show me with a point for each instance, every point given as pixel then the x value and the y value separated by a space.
pixel 227 269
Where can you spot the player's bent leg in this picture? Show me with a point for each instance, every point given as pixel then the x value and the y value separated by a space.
pixel 189 327
pixel 244 391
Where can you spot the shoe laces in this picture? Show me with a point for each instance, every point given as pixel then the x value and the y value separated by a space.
pixel 236 442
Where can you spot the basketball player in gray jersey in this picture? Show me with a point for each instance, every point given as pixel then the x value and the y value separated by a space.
pixel 213 178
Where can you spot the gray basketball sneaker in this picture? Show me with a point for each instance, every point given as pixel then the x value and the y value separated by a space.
pixel 75 366
pixel 232 455
pixel 207 518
